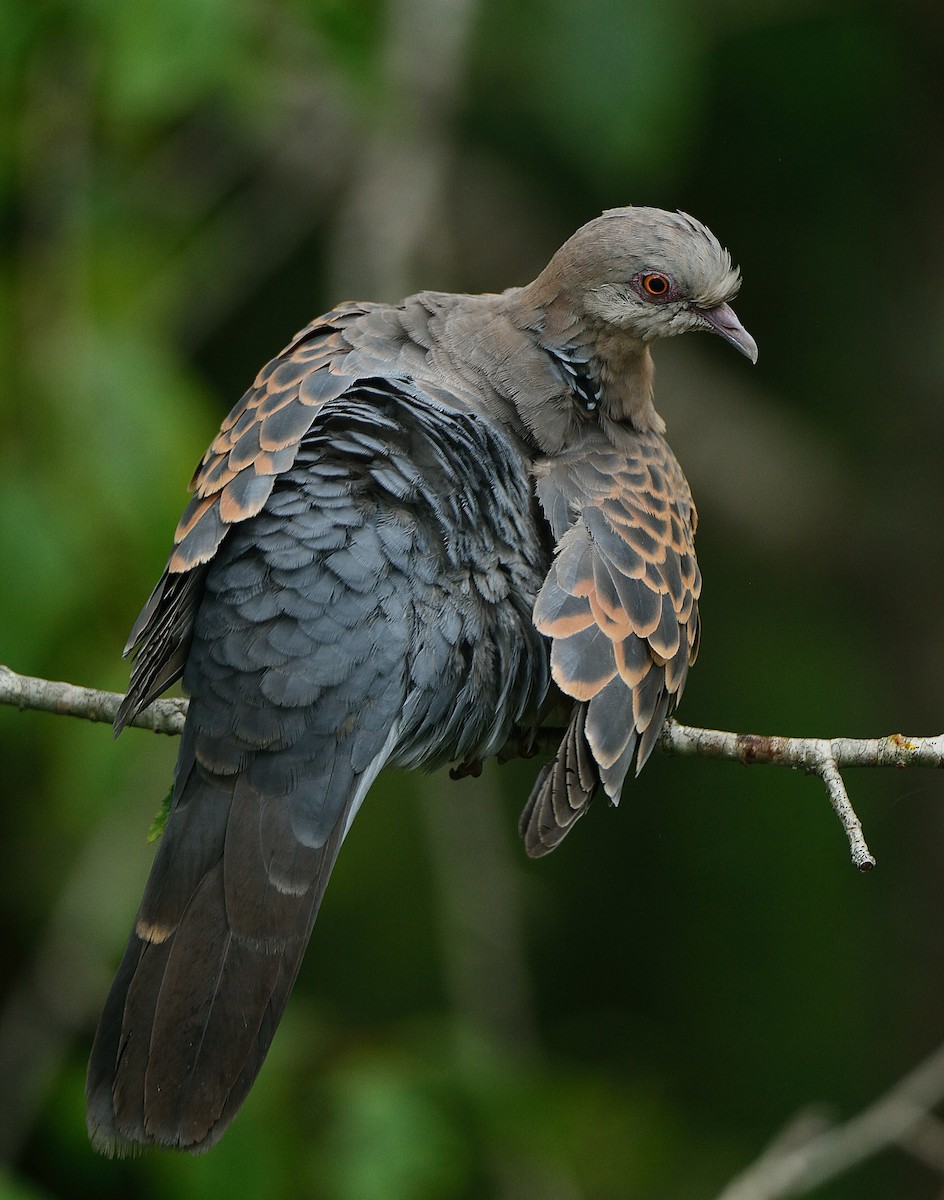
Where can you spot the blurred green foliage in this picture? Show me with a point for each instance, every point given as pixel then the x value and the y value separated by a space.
pixel 186 182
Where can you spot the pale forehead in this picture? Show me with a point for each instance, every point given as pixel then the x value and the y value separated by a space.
pixel 625 240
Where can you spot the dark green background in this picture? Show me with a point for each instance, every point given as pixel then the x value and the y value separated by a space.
pixel 185 183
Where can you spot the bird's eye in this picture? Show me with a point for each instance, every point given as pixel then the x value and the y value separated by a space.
pixel 655 285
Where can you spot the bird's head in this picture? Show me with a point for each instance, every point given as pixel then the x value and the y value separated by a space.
pixel 642 274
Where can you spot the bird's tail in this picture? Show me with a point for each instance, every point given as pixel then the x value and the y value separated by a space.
pixel 205 977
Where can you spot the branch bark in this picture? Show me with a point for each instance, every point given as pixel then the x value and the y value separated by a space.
pixel 822 757
pixel 71 700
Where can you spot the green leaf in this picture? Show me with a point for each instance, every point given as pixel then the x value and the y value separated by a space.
pixel 160 817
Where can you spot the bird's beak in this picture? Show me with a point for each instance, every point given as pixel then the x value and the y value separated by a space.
pixel 723 320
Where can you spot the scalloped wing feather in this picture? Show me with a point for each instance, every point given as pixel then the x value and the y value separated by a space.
pixel 257 441
pixel 620 606
pixel 261 436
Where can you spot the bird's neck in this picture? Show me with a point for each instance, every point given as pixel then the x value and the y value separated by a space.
pixel 624 371
pixel 612 364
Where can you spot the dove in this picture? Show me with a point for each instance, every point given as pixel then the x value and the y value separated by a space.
pixel 425 527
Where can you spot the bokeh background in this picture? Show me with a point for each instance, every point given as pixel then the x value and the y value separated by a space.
pixel 187 182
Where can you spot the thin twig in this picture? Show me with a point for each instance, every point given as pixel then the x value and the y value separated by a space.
pixel 894 750
pixel 819 756
pixel 842 807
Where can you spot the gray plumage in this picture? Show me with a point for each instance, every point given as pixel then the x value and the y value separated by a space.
pixel 417 518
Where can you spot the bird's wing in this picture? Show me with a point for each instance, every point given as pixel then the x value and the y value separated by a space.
pixel 299 675
pixel 261 436
pixel 256 443
pixel 620 605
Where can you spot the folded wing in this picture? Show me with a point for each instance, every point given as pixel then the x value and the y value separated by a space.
pixel 620 605
pixel 258 441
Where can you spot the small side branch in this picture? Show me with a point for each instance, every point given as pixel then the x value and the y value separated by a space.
pixel 842 807
pixel 823 757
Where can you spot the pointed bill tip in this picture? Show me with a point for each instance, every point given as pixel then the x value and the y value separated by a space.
pixel 723 321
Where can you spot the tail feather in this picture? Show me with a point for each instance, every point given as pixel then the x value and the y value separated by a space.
pixel 288 973
pixel 192 1012
pixel 104 1099
pixel 213 993
pixel 563 791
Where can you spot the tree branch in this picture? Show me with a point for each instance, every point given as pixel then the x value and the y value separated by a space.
pixel 818 756
pixel 70 700
pixel 822 757
pixel 794 1166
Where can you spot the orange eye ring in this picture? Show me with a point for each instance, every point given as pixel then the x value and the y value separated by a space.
pixel 655 285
